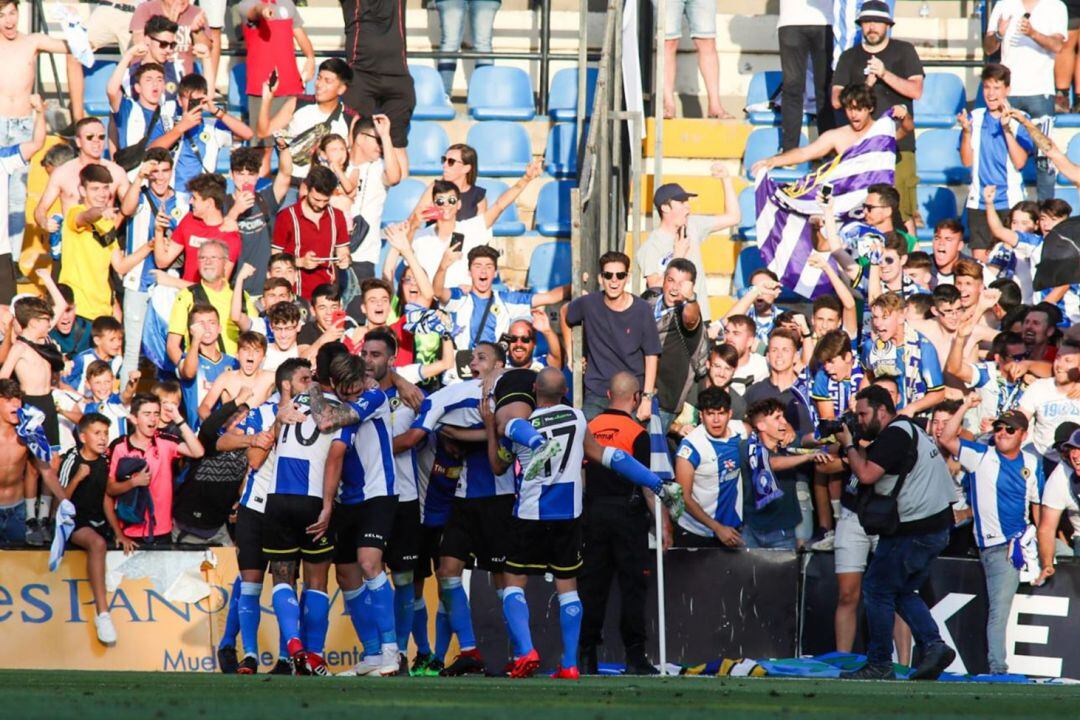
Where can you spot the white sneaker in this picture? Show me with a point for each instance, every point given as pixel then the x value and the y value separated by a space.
pixel 106 631
pixel 391 661
pixel 545 452
pixel 374 666
pixel 827 542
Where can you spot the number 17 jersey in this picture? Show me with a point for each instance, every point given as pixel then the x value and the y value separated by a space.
pixel 555 493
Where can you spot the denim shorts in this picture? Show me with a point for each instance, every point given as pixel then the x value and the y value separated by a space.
pixel 701 14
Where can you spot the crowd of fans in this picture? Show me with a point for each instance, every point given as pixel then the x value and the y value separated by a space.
pixel 282 264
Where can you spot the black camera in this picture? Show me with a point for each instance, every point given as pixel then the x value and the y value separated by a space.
pixel 826 428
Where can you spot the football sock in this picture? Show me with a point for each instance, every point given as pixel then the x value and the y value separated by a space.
pixel 457 607
pixel 404 599
pixel 382 607
pixel 443 633
pixel 516 613
pixel 287 610
pixel 316 607
pixel 522 432
pixel 364 624
pixel 232 619
pixel 570 624
pixel 420 626
pixel 248 613
pixel 625 465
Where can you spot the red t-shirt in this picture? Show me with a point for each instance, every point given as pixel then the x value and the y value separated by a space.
pixel 159 461
pixel 269 47
pixel 192 232
pixel 321 238
pixel 406 354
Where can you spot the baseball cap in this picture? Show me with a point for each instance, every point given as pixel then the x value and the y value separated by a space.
pixel 1066 432
pixel 1013 419
pixel 875 11
pixel 671 191
pixel 1072 442
pixel 128 466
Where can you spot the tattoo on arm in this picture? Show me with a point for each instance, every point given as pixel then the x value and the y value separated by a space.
pixel 330 417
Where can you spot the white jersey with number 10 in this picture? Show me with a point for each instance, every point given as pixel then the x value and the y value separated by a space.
pixel 301 452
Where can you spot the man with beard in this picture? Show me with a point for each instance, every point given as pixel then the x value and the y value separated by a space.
pixel 1049 402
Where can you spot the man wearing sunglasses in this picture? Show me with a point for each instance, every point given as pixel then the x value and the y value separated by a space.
pixel 1004 496
pixel 520 342
pixel 160 43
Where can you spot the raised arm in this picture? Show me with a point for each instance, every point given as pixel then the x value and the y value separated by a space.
pixel 531 173
pixel 114 88
pixel 732 215
pixel 392 171
pixel 950 434
pixel 265 126
pixel 997 229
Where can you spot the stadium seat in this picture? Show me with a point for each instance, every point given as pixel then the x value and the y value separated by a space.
pixel 750 260
pixel 942 98
pixel 937 158
pixel 549 266
pixel 1069 194
pixel 498 92
pixel 552 217
pixel 508 223
pixel 401 199
pixel 935 203
pixel 747 229
pixel 223 157
pixel 237 97
pixel 763 87
pixel 94 96
pixel 431 100
pixel 560 156
pixel 427 143
pixel 502 148
pixel 1072 151
pixel 765 142
pixel 562 96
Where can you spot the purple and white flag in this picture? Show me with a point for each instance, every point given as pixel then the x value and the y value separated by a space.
pixel 784 233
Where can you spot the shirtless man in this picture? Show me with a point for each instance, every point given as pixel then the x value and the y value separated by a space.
pixel 859 107
pixel 248 384
pixel 90 139
pixel 15 456
pixel 16 115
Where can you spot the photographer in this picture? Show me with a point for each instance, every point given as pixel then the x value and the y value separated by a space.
pixel 908 506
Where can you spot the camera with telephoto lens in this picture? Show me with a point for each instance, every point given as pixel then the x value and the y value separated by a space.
pixel 833 426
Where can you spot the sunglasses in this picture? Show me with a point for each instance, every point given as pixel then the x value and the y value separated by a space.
pixel 1009 430
pixel 621 275
pixel 868 206
pixel 166 44
pixel 94 137
pixel 451 201
pixel 890 260
pixel 524 339
pixel 373 136
pixel 450 161
pixel 1018 358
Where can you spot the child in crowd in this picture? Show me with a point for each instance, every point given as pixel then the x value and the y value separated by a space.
pixel 201 365
pixel 248 377
pixel 104 400
pixel 108 339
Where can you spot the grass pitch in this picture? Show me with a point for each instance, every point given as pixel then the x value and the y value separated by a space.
pixel 28 695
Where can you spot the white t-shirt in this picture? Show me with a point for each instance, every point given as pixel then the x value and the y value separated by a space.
pixel 368 203
pixel 755 370
pixel 1056 495
pixel 1032 65
pixel 805 12
pixel 307 117
pixel 429 249
pixel 657 250
pixel 1047 407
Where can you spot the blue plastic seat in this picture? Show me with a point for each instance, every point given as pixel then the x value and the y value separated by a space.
pixel 431 100
pixel 765 142
pixel 942 98
pixel 747 229
pixel 224 157
pixel 748 261
pixel 1069 194
pixel 95 99
pixel 935 203
pixel 498 92
pixel 937 158
pixel 1072 151
pixel 502 148
pixel 401 200
pixel 562 96
pixel 508 224
pixel 560 156
pixel 552 217
pixel 236 100
pixel 549 266
pixel 427 143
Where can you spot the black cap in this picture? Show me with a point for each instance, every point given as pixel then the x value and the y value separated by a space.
pixel 875 11
pixel 1014 419
pixel 1064 433
pixel 671 191
pixel 128 466
pixel 1073 442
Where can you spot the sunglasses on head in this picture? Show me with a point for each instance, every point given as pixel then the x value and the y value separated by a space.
pixel 446 201
pixel 166 44
pixel 620 275
pixel 450 161
pixel 1009 430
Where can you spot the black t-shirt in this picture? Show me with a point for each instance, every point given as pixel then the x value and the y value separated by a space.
pixel 89 497
pixel 899 58
pixel 673 373
pixel 892 451
pixel 375 36
pixel 203 501
pixel 614 340
pixel 256 232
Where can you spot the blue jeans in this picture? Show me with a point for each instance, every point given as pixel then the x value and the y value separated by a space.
pixel 135 304
pixel 593 405
pixel 1041 110
pixel 782 539
pixel 12 132
pixel 452 30
pixel 13 524
pixel 898 568
pixel 700 15
pixel 1002 579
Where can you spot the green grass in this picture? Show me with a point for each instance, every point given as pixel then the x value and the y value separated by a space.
pixel 145 696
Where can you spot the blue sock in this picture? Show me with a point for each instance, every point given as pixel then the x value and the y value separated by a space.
pixel 316 606
pixel 570 624
pixel 443 633
pixel 287 610
pixel 404 598
pixel 516 613
pixel 522 432
pixel 457 608
pixel 232 619
pixel 303 629
pixel 419 626
pixel 283 646
pixel 248 613
pixel 623 464
pixel 382 606
pixel 364 624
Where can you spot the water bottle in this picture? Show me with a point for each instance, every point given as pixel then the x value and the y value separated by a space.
pixel 54 238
